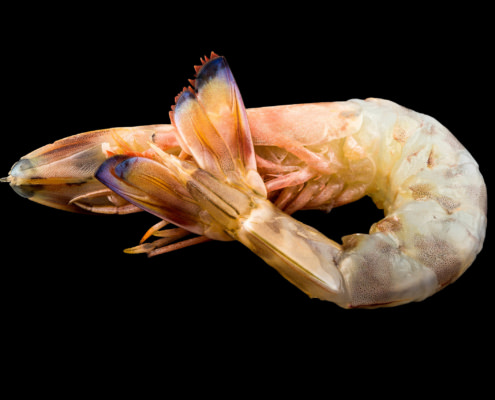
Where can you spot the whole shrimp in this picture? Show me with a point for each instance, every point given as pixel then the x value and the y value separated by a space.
pixel 227 173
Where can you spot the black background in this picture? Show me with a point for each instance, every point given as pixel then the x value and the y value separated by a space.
pixel 70 294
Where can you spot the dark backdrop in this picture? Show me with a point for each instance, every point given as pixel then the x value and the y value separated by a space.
pixel 68 286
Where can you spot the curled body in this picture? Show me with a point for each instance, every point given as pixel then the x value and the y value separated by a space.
pixel 435 202
pixel 227 173
pixel 433 196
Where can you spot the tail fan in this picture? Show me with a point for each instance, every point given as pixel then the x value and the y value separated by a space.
pixel 208 196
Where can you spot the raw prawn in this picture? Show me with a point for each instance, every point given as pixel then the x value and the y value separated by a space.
pixel 227 173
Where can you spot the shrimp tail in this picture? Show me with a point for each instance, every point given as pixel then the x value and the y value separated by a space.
pixel 212 127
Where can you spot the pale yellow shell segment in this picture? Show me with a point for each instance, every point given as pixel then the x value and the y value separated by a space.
pixel 435 205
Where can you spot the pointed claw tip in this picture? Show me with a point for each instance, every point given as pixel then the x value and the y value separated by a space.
pixel 140 249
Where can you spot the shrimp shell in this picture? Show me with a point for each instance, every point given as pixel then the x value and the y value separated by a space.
pixel 227 173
